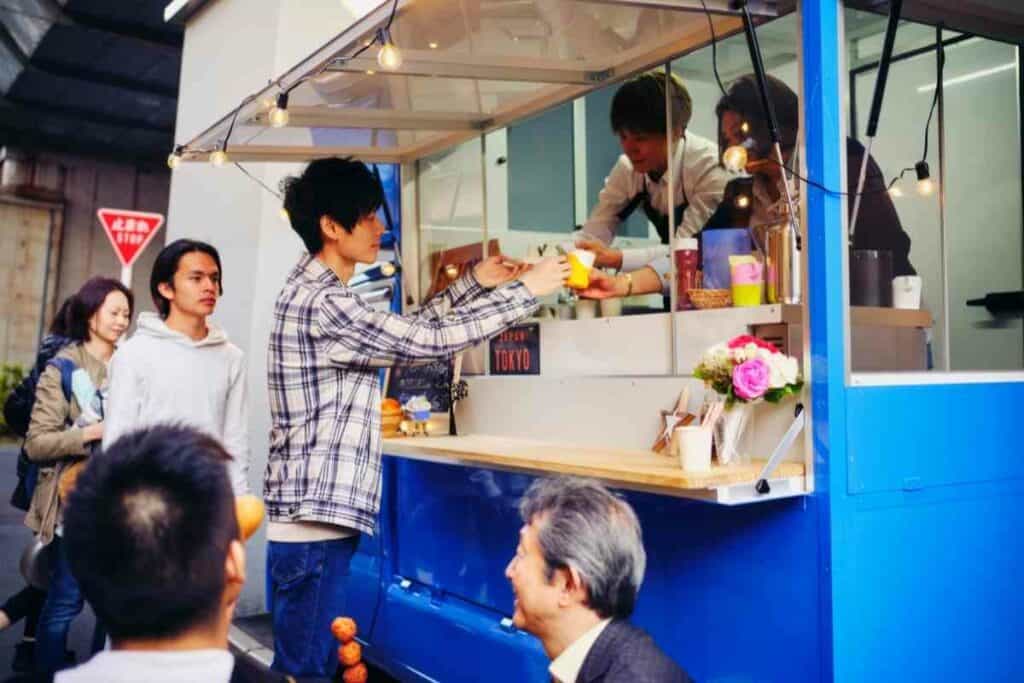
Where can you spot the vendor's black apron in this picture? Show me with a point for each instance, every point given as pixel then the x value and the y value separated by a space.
pixel 658 219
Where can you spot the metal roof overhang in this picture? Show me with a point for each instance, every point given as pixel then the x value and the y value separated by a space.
pixel 468 67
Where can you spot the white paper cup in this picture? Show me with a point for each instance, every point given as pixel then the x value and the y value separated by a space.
pixel 693 446
pixel 586 258
pixel 906 292
pixel 610 307
pixel 585 309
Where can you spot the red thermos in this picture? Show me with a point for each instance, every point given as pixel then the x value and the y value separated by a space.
pixel 687 255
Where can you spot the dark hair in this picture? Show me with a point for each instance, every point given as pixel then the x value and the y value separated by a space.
pixel 87 301
pixel 61 324
pixel 342 189
pixel 639 104
pixel 166 265
pixel 744 98
pixel 148 527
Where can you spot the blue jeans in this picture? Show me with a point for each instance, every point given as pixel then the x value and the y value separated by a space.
pixel 306 585
pixel 63 603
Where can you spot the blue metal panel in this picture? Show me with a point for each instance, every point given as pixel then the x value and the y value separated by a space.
pixel 914 437
pixel 931 591
pixel 825 244
pixel 719 580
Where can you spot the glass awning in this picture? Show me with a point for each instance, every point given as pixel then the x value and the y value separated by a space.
pixel 468 67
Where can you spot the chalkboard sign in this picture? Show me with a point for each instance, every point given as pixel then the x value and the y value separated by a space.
pixel 432 380
pixel 516 351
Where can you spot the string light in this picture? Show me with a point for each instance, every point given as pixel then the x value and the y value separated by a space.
pixel 174 158
pixel 279 114
pixel 389 56
pixel 925 185
pixel 895 192
pixel 218 157
pixel 742 201
pixel 284 215
pixel 735 158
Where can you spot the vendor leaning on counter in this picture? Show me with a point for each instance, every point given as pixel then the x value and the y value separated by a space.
pixel 639 180
pixel 741 123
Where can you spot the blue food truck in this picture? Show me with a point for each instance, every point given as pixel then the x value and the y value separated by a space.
pixel 875 545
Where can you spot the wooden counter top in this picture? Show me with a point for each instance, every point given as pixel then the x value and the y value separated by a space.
pixel 630 469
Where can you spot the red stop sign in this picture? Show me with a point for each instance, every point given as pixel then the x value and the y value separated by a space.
pixel 129 231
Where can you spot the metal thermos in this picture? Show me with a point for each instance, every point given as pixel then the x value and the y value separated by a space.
pixel 782 264
pixel 870 277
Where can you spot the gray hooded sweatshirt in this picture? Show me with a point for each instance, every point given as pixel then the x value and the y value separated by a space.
pixel 160 376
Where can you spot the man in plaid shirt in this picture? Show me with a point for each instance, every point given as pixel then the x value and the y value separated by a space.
pixel 323 477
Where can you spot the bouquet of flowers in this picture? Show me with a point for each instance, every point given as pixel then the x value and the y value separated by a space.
pixel 747 369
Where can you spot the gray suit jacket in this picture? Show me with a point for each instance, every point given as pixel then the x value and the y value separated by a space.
pixel 625 654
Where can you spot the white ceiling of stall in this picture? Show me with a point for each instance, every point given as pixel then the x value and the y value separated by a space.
pixel 468 66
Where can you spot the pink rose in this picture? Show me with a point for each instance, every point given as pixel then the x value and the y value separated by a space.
pixel 750 379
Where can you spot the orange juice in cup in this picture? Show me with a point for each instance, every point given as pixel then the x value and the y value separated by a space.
pixel 581 262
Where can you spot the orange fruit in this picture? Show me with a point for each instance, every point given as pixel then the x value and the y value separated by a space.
pixel 350 653
pixel 344 629
pixel 249 511
pixel 390 405
pixel 356 674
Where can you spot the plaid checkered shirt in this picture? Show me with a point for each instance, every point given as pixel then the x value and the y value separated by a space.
pixel 326 348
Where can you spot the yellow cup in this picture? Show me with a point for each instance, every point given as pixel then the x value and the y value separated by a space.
pixel 580 263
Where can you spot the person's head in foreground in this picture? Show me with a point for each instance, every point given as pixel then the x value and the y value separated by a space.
pixel 153 540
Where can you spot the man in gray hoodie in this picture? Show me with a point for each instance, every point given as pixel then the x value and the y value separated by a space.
pixel 179 367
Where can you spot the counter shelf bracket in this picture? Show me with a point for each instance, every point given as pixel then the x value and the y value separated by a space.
pixel 799 419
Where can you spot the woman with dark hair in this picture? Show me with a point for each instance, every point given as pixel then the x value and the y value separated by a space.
pixel 26 603
pixel 742 124
pixel 66 424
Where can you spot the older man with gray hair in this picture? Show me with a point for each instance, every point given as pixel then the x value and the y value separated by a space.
pixel 576 573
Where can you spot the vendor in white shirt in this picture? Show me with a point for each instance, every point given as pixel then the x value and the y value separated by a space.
pixel 639 180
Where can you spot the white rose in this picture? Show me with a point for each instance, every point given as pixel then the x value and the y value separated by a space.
pixel 776 371
pixel 790 369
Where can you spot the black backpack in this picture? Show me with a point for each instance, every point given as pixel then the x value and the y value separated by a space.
pixel 18 406
pixel 18 413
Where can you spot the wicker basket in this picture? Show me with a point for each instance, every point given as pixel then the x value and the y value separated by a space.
pixel 710 298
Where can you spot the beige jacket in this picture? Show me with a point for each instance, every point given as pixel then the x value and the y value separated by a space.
pixel 50 441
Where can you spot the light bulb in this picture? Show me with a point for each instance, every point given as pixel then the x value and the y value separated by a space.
pixel 743 201
pixel 895 192
pixel 387 269
pixel 284 215
pixel 173 160
pixel 279 114
pixel 452 271
pixel 278 117
pixel 433 46
pixel 218 157
pixel 389 57
pixel 735 158
pixel 744 127
pixel 925 186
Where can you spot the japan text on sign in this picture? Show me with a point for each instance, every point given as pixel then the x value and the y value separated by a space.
pixel 129 231
pixel 516 351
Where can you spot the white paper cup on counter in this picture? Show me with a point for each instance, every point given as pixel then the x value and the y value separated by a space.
pixel 906 292
pixel 610 307
pixel 586 309
pixel 693 446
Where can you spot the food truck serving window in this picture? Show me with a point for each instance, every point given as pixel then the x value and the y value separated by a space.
pixel 935 273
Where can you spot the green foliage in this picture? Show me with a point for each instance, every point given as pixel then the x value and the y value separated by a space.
pixel 11 375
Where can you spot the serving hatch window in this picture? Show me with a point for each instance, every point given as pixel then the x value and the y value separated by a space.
pixel 936 270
